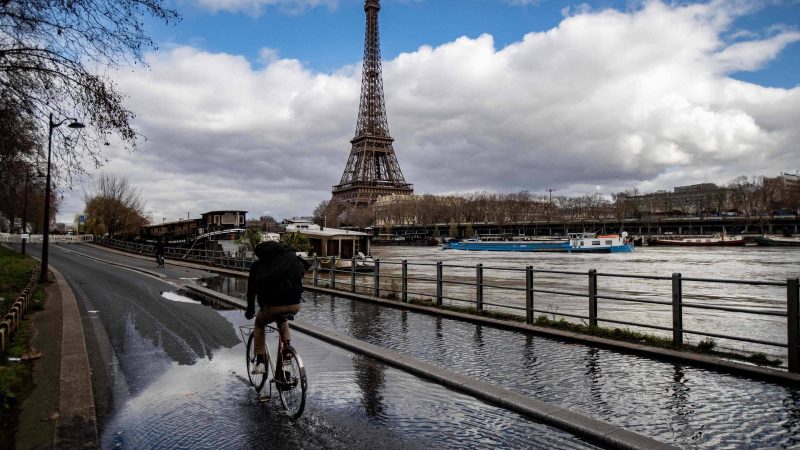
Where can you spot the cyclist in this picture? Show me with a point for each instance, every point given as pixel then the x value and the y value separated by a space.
pixel 159 249
pixel 276 280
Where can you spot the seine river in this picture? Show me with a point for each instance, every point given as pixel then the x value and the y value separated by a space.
pixel 506 269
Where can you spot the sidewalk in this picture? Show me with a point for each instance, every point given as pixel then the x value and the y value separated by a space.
pixel 60 411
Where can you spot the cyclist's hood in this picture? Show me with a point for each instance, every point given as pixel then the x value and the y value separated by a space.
pixel 273 257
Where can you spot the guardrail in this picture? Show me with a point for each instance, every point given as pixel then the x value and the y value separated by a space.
pixel 516 290
pixel 215 258
pixel 55 238
pixel 519 295
pixel 13 318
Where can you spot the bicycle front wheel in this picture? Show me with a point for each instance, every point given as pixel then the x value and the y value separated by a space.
pixel 292 388
pixel 256 379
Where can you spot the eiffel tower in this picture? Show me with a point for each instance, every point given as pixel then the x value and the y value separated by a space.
pixel 372 169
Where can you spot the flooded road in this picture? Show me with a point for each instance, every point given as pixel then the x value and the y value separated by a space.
pixel 178 378
pixel 674 403
pixel 353 402
pixel 169 372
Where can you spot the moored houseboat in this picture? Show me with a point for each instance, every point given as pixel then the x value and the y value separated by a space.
pixel 333 244
pixel 778 241
pixel 699 241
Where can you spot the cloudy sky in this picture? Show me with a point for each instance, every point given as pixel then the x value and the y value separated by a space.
pixel 251 104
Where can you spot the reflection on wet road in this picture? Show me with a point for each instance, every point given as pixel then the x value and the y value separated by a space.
pixel 353 402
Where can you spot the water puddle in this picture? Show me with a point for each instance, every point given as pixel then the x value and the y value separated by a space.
pixel 353 402
pixel 175 297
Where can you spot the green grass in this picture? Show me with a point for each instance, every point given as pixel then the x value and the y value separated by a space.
pixel 622 334
pixel 15 273
pixel 15 376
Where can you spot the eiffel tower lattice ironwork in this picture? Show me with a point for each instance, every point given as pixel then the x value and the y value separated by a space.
pixel 372 169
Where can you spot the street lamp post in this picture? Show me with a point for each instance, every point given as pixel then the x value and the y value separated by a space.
pixel 46 232
pixel 25 210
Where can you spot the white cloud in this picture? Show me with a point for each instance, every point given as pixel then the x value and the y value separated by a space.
pixel 607 98
pixel 751 55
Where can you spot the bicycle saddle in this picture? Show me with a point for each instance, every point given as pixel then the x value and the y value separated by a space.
pixel 284 317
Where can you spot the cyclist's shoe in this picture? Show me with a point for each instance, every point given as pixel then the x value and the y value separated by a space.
pixel 258 369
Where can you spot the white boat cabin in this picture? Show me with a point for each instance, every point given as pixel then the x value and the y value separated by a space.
pixel 327 242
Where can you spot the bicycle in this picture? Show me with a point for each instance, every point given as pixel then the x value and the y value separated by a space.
pixel 292 388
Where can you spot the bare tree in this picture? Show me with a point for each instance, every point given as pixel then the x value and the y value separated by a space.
pixel 114 207
pixel 18 149
pixel 51 55
pixel 319 212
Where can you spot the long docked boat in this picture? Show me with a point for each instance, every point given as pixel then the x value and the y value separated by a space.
pixel 700 241
pixel 577 242
pixel 778 241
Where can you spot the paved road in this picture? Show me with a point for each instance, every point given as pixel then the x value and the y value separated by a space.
pixel 168 372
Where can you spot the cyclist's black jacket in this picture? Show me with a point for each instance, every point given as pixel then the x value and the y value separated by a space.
pixel 277 277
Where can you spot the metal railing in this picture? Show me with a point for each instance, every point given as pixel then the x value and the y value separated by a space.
pixel 215 258
pixel 55 238
pixel 517 290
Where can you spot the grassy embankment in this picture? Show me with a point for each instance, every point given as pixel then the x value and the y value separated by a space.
pixel 15 376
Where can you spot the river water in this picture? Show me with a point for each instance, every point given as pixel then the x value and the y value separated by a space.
pixel 507 269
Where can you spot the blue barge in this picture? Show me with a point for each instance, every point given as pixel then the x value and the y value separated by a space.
pixel 577 242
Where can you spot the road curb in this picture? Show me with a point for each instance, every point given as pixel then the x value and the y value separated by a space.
pixel 76 426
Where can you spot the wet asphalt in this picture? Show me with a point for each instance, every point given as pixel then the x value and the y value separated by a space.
pixel 169 373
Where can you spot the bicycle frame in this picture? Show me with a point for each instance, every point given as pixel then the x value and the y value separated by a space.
pixel 287 370
pixel 246 330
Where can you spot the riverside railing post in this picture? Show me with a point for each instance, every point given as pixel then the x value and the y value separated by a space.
pixel 333 272
pixel 353 275
pixel 315 274
pixel 439 283
pixel 479 287
pixel 677 310
pixel 593 298
pixel 377 278
pixel 529 295
pixel 793 339
pixel 405 281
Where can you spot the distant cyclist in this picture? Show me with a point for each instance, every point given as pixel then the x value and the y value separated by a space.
pixel 276 281
pixel 159 248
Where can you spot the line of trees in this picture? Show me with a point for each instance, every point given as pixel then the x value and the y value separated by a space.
pixel 755 195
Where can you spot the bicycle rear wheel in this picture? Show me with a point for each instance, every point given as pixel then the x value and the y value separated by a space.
pixel 256 380
pixel 293 389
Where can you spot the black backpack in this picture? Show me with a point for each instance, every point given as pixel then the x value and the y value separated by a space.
pixel 284 287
